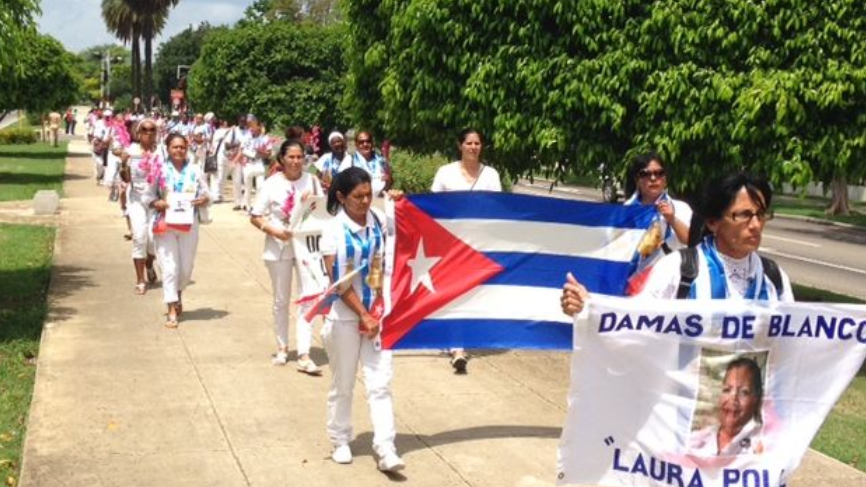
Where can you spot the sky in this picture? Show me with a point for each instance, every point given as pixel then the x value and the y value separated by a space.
pixel 78 23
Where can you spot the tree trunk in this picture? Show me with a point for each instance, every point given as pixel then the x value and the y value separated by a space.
pixel 136 64
pixel 148 69
pixel 839 197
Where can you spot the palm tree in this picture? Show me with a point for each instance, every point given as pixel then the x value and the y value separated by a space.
pixel 125 25
pixel 153 14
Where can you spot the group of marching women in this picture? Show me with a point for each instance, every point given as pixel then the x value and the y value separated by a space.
pixel 170 178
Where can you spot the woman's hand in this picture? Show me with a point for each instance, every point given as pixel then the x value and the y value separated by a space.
pixel 574 296
pixel 160 205
pixel 200 201
pixel 666 209
pixel 396 194
pixel 369 325
pixel 279 233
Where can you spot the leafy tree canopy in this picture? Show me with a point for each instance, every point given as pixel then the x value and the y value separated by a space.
pixel 284 73
pixel 181 50
pixel 777 86
pixel 46 80
pixel 16 23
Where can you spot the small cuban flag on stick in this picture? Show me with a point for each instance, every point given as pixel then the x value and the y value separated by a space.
pixel 322 301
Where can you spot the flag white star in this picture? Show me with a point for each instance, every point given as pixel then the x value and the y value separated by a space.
pixel 421 266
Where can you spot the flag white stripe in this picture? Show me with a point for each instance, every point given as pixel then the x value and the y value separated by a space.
pixel 603 243
pixel 498 302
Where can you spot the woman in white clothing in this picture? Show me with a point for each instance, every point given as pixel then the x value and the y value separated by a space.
pixel 176 243
pixel 647 183
pixel 355 240
pixel 280 193
pixel 735 210
pixel 139 162
pixel 467 174
pixel 367 158
pixel 256 151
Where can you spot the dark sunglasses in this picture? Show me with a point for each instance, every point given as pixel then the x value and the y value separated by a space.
pixel 364 141
pixel 647 174
pixel 147 129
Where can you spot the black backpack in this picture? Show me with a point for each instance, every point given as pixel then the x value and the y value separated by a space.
pixel 689 271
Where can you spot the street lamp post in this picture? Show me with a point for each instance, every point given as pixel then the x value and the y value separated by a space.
pixel 105 89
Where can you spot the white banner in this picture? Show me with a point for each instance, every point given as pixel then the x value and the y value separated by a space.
pixel 703 393
pixel 307 221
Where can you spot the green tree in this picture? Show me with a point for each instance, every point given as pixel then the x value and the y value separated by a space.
pixel 285 73
pixel 16 22
pixel 181 50
pixel 317 11
pixel 123 22
pixel 153 14
pixel 46 80
pixel 777 87
pixel 88 66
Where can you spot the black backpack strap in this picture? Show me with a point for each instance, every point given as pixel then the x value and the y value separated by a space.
pixel 771 270
pixel 688 271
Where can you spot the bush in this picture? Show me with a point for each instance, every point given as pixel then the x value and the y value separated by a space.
pixel 414 173
pixel 17 136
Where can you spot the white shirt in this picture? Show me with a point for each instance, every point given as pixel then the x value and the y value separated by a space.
pixel 138 174
pixel 270 202
pixel 375 167
pixel 334 243
pixel 450 178
pixel 664 279
pixel 705 442
pixel 328 161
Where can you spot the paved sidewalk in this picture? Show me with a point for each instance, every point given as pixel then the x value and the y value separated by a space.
pixel 121 401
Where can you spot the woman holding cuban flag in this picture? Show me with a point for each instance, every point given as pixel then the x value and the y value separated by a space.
pixel 275 201
pixel 734 211
pixel 647 184
pixel 354 243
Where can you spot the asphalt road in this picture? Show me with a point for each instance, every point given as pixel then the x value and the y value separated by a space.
pixel 813 254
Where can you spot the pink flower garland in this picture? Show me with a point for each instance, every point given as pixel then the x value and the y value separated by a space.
pixel 151 165
pixel 289 204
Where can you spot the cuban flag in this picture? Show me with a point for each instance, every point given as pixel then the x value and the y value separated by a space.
pixel 485 270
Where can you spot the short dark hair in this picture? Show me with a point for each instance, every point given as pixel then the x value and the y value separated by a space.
pixel 284 148
pixel 344 183
pixel 719 195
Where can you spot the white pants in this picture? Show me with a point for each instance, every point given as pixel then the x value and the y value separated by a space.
pixel 281 272
pixel 254 171
pixel 111 170
pixel 346 347
pixel 238 181
pixel 218 180
pixel 142 232
pixel 176 253
pixel 98 168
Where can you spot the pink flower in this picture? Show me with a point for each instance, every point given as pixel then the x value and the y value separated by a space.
pixel 289 204
pixel 152 166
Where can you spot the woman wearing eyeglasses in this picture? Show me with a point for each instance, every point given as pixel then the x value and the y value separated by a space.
pixel 139 160
pixel 734 211
pixel 368 159
pixel 648 184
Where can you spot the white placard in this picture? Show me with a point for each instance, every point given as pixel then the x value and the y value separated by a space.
pixel 180 210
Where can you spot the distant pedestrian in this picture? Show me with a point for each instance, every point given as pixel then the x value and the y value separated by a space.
pixel 54 120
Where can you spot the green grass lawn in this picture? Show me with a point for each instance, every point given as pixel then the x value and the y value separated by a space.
pixel 814 208
pixel 25 270
pixel 24 169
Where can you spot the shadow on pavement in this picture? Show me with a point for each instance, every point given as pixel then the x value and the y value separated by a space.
pixel 17 178
pixel 406 443
pixel 203 314
pixel 66 280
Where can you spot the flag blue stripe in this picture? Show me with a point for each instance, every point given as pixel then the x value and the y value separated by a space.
pixel 547 270
pixel 508 206
pixel 489 334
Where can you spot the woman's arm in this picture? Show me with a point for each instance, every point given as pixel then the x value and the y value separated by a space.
pixel 369 325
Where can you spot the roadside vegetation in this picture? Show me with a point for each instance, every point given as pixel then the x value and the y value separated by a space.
pixel 27 168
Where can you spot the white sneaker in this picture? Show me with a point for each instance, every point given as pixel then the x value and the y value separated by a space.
pixel 391 462
pixel 342 455
pixel 281 358
pixel 308 367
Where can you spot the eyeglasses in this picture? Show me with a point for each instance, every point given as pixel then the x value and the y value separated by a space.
pixel 147 129
pixel 364 141
pixel 647 174
pixel 745 216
